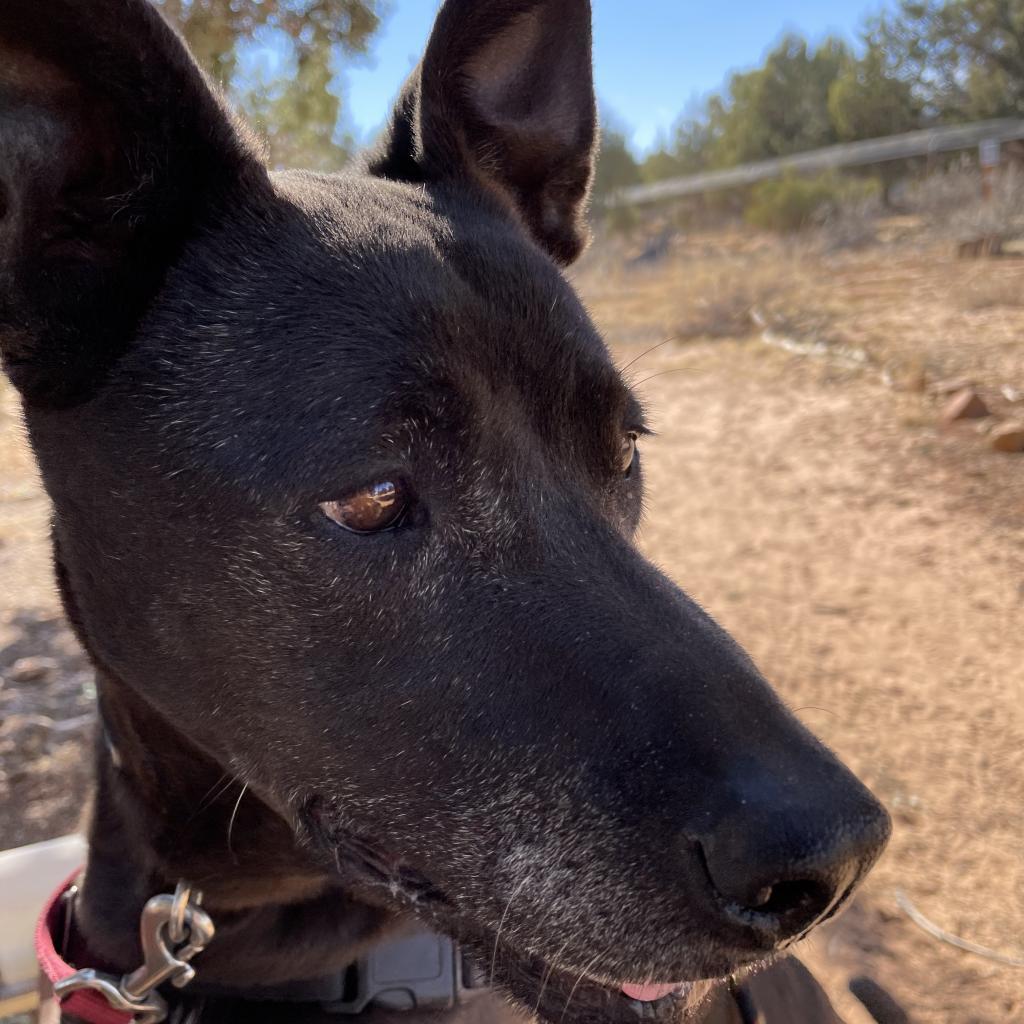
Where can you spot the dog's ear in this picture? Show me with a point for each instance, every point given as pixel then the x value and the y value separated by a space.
pixel 504 99
pixel 111 146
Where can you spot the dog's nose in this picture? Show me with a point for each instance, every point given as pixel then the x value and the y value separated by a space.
pixel 779 866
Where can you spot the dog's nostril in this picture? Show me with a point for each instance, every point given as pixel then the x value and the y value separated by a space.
pixel 784 905
pixel 800 897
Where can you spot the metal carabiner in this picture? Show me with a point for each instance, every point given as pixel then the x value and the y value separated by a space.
pixel 182 897
pixel 161 963
pixel 177 919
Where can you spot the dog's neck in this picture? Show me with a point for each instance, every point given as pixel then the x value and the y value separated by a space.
pixel 165 811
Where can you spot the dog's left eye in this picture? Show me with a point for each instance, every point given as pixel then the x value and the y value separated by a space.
pixel 627 453
pixel 370 510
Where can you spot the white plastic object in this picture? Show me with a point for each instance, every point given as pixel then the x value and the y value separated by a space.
pixel 28 877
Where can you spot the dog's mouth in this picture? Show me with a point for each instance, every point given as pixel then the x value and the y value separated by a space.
pixel 667 1003
pixel 555 994
pixel 653 993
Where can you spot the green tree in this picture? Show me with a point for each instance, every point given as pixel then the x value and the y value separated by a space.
pixel 867 100
pixel 695 140
pixel 688 148
pixel 616 166
pixel 298 109
pixel 780 108
pixel 963 58
pixel 660 164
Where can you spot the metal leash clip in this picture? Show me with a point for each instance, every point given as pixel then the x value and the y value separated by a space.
pixel 172 930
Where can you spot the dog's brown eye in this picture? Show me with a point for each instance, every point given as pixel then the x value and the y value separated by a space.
pixel 627 453
pixel 374 508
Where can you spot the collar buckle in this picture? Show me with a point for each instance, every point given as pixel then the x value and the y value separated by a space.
pixel 172 930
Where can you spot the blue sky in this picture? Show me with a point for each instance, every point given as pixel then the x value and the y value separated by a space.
pixel 651 57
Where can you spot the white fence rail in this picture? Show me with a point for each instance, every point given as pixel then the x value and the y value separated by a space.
pixel 923 143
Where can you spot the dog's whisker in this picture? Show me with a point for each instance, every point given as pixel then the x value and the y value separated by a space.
pixel 213 794
pixel 662 373
pixel 227 785
pixel 647 352
pixel 231 822
pixel 814 707
pixel 546 977
pixel 501 924
pixel 206 795
pixel 572 991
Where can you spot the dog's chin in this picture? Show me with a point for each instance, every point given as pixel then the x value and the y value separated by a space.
pixel 562 997
pixel 557 995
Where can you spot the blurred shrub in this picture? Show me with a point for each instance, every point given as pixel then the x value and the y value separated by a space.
pixel 851 223
pixel 941 193
pixel 622 219
pixel 796 203
pixel 615 168
pixel 722 304
pixel 955 205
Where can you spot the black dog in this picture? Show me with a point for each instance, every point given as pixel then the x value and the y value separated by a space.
pixel 344 485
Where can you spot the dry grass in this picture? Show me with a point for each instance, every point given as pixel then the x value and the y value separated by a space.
pixel 955 207
pixel 989 287
pixel 851 225
pixel 913 310
pixel 718 302
pixel 717 283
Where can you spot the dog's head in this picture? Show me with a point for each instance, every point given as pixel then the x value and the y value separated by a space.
pixel 345 485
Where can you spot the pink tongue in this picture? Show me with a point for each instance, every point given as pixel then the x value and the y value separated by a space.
pixel 649 993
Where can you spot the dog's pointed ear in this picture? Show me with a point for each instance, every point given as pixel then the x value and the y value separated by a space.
pixel 111 146
pixel 504 99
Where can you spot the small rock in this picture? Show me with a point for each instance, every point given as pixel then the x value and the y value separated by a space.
pixel 1012 394
pixel 25 735
pixel 31 670
pixel 1008 437
pixel 966 404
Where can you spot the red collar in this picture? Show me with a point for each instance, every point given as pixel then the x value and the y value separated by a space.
pixel 53 932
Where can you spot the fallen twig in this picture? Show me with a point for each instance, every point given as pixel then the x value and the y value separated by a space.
pixel 845 354
pixel 922 922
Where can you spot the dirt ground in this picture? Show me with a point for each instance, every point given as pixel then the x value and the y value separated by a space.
pixel 872 563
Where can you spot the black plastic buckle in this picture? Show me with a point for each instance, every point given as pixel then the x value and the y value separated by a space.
pixel 423 971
